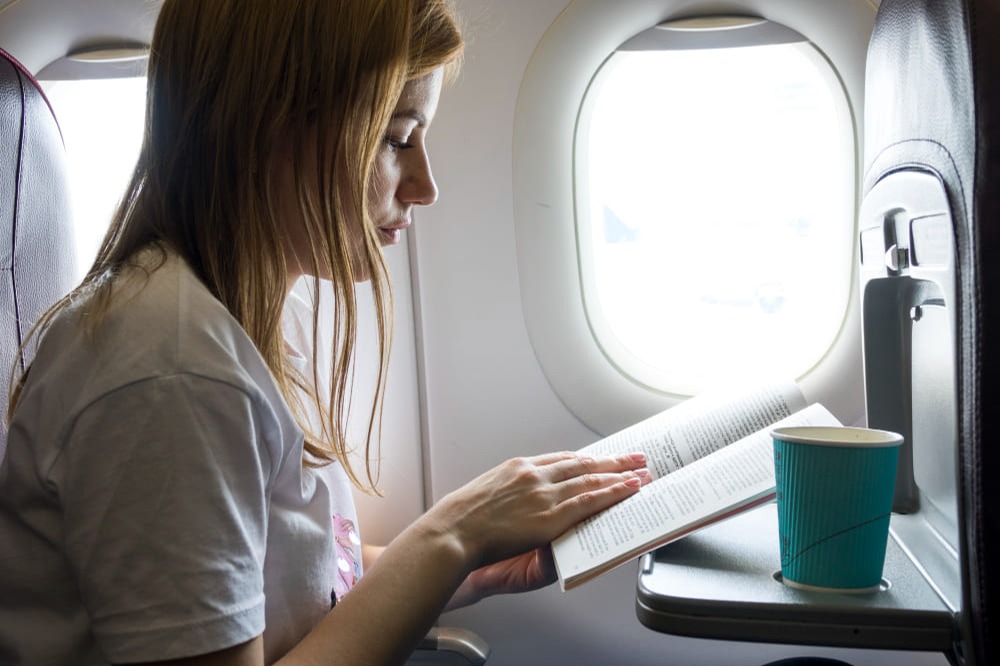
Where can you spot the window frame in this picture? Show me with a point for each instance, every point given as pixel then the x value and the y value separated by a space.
pixel 545 124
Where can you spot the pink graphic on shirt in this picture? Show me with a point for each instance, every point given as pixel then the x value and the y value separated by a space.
pixel 348 565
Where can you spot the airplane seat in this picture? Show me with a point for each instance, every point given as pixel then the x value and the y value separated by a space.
pixel 36 248
pixel 929 224
pixel 38 263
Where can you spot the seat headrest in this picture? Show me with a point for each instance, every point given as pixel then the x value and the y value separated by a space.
pixel 37 254
pixel 919 103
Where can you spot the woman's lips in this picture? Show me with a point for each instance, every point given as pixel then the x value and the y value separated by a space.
pixel 392 234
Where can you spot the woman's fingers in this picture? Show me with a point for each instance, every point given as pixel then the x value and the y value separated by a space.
pixel 580 497
pixel 594 481
pixel 587 484
pixel 561 466
pixel 552 457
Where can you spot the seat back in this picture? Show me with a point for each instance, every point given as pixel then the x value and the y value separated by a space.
pixel 929 223
pixel 36 234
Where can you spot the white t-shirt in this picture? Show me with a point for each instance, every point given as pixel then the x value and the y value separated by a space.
pixel 153 500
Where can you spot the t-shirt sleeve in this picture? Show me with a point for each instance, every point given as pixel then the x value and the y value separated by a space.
pixel 164 486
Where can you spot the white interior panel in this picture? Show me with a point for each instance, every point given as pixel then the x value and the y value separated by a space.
pixel 65 26
pixel 486 397
pixel 401 466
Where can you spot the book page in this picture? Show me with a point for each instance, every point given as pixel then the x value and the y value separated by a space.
pixel 731 479
pixel 702 424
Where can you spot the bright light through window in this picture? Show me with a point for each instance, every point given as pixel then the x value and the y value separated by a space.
pixel 715 194
pixel 101 122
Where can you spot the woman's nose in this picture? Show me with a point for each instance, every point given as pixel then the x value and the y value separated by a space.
pixel 418 186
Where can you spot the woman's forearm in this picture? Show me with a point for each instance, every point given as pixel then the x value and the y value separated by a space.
pixel 497 525
pixel 397 600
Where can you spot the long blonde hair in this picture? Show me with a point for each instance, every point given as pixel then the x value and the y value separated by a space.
pixel 228 79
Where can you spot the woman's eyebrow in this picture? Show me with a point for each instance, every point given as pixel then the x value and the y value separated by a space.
pixel 411 113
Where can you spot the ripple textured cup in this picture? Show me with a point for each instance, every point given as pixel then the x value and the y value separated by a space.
pixel 834 491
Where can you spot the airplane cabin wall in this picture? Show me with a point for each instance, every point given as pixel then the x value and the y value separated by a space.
pixel 483 396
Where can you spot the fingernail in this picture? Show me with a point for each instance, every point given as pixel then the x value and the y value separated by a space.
pixel 633 482
pixel 638 457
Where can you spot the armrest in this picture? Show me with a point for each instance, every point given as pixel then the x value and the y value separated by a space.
pixel 466 647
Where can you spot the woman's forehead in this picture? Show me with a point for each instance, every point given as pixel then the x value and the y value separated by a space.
pixel 421 94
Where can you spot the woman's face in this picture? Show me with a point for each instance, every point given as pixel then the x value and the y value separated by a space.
pixel 401 180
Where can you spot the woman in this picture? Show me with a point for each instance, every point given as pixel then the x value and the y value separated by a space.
pixel 177 484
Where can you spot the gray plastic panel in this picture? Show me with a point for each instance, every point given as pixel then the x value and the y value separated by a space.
pixel 722 583
pixel 910 361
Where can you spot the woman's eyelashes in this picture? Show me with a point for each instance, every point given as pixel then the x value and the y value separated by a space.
pixel 398 143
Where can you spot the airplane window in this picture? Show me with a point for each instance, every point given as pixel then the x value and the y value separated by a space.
pixel 714 205
pixel 102 123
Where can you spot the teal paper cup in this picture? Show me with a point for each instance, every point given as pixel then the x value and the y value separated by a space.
pixel 834 491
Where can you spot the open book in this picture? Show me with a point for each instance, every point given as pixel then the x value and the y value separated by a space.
pixel 711 457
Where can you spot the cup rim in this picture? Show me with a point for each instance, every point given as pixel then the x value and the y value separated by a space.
pixel 837 436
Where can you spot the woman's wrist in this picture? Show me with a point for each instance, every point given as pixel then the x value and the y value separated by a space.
pixel 441 535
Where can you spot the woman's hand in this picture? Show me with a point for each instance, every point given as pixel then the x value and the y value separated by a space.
pixel 525 503
pixel 518 574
